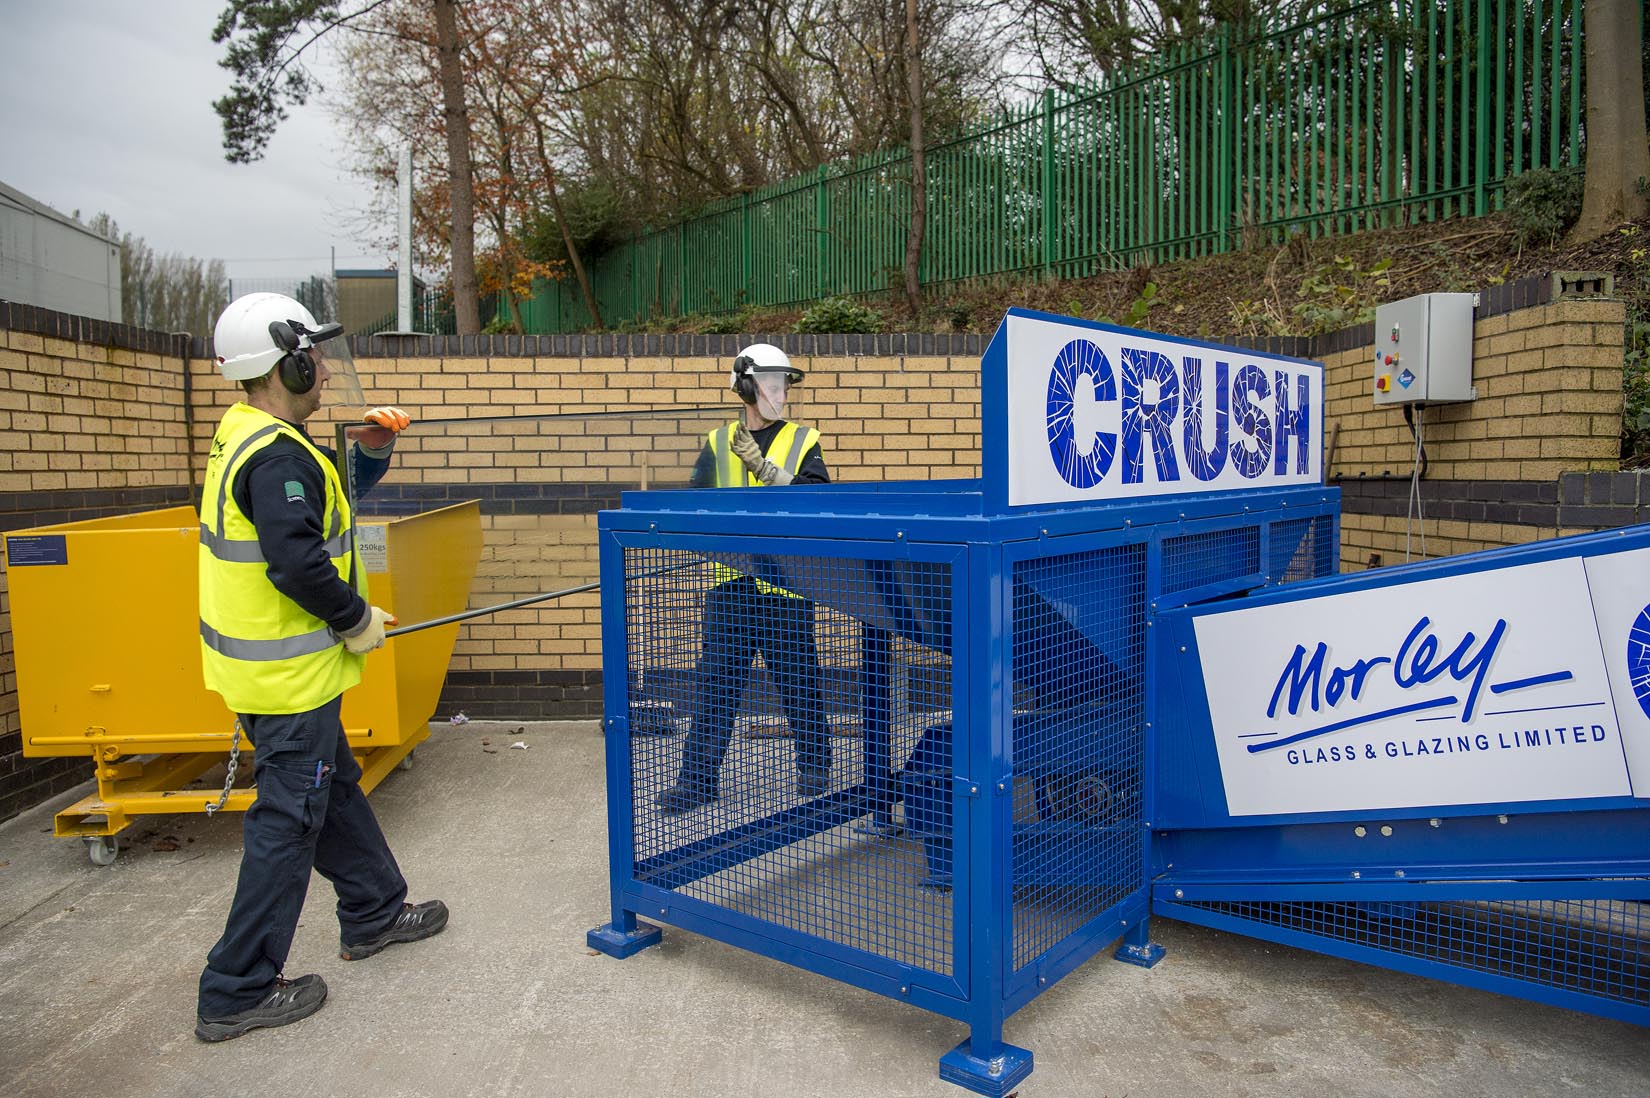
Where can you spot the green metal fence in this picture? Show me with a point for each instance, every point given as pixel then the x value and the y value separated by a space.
pixel 1379 113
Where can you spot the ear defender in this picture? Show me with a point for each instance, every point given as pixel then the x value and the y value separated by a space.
pixel 744 378
pixel 296 369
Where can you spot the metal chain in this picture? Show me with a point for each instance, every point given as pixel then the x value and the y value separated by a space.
pixel 229 778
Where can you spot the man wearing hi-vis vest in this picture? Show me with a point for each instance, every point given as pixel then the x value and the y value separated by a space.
pixel 745 614
pixel 285 629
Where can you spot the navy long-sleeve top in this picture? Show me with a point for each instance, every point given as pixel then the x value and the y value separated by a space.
pixel 290 527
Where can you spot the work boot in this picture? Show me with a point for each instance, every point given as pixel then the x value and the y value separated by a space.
pixel 287 1001
pixel 414 923
pixel 684 797
pixel 811 782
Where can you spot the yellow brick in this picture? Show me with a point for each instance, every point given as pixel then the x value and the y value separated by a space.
pixel 1571 447
pixel 1504 344
pixel 1562 335
pixel 1588 312
pixel 1559 378
pixel 1604 356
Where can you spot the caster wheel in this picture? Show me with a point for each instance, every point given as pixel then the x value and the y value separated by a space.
pixel 102 849
pixel 406 762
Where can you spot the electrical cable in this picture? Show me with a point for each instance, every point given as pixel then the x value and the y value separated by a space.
pixel 1414 415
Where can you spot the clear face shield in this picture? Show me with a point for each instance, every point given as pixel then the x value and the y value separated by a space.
pixel 772 390
pixel 343 387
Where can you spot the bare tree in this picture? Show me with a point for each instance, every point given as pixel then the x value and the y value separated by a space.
pixel 455 115
pixel 168 293
pixel 1066 43
pixel 523 67
pixel 919 174
pixel 265 42
pixel 721 98
pixel 1618 149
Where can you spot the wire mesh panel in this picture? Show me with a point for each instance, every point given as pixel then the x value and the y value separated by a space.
pixel 1078 649
pixel 1197 560
pixel 767 725
pixel 1300 549
pixel 1594 947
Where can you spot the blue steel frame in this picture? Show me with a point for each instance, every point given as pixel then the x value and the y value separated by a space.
pixel 946 523
pixel 1206 860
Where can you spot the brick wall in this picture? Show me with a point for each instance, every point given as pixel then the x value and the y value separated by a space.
pixel 101 419
pixel 1504 469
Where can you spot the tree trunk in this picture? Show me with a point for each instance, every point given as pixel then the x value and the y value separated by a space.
pixel 1618 161
pixel 514 306
pixel 549 171
pixel 919 173
pixel 466 306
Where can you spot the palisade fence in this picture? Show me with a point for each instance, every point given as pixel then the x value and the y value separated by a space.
pixel 1378 113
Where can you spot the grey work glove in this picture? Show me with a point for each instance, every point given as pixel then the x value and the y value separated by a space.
pixel 746 450
pixel 370 635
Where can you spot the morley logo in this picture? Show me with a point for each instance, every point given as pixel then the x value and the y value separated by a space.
pixel 1248 420
pixel 1485 686
pixel 1438 673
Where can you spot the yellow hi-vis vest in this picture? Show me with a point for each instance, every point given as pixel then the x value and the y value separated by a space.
pixel 263 652
pixel 786 449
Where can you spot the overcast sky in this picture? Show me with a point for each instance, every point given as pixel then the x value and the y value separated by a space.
pixel 106 106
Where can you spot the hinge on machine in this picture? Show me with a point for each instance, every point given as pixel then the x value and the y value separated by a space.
pixel 964 786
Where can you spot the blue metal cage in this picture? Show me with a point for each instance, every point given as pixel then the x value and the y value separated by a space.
pixel 885 734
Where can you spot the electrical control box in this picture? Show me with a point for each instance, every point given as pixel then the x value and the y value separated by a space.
pixel 1423 350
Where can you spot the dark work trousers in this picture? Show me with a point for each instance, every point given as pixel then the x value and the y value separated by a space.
pixel 310 812
pixel 739 620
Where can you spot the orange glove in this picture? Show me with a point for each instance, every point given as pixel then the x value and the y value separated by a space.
pixel 392 418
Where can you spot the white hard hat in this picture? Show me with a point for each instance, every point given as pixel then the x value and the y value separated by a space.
pixel 256 330
pixel 759 358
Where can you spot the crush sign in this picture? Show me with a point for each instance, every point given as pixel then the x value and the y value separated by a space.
pixel 1096 413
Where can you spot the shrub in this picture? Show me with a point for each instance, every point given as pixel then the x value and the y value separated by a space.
pixel 1338 295
pixel 736 322
pixel 1138 308
pixel 1635 374
pixel 1543 203
pixel 839 314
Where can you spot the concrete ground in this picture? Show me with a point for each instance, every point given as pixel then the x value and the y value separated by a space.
pixel 98 969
